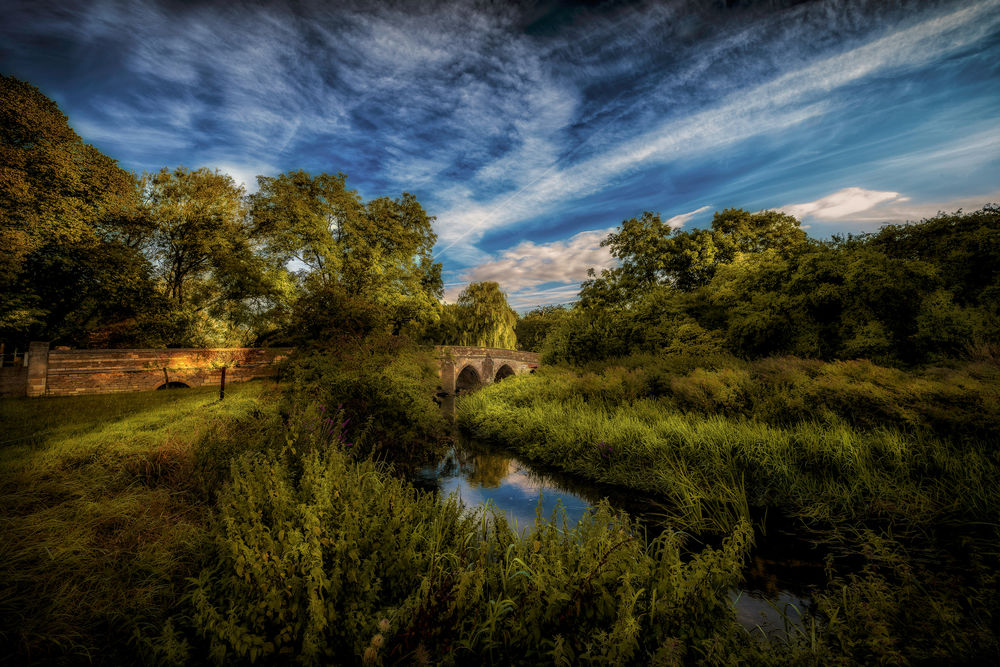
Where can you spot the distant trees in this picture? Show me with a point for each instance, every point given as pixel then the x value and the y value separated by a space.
pixel 755 285
pixel 91 254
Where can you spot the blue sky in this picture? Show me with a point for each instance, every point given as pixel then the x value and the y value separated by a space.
pixel 530 131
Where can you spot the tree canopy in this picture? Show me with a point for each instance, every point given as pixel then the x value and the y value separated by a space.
pixel 755 285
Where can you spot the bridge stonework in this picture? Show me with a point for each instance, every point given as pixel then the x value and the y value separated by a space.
pixel 463 369
pixel 64 372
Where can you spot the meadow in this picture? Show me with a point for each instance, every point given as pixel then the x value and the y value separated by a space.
pixel 892 473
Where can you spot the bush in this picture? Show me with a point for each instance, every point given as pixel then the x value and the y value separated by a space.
pixel 326 559
pixel 385 387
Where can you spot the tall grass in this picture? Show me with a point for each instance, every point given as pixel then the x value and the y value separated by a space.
pixel 611 428
pixel 103 517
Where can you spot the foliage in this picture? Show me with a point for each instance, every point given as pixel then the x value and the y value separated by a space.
pixel 532 329
pixel 377 252
pixel 66 211
pixel 484 317
pixel 322 558
pixel 755 286
pixel 385 387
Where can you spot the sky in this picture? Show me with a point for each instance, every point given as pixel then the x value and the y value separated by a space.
pixel 531 130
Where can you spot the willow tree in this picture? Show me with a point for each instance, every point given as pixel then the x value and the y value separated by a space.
pixel 486 318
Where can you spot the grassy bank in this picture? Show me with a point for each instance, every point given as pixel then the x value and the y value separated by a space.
pixel 876 444
pixel 104 504
pixel 894 475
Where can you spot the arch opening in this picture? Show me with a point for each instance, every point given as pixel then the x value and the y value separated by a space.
pixel 468 380
pixel 173 385
pixel 503 372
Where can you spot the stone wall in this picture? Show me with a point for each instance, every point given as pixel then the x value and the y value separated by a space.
pixel 73 372
pixel 13 380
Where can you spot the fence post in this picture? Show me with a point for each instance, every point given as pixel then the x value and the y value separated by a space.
pixel 38 368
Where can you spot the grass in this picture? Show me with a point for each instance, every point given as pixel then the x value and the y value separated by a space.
pixel 102 516
pixel 609 427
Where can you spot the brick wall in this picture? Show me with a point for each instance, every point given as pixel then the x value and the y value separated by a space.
pixel 73 372
pixel 13 380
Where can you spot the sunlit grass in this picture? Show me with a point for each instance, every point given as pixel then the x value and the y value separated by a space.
pixel 101 521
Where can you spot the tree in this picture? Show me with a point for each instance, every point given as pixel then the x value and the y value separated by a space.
pixel 651 253
pixel 534 327
pixel 66 261
pixel 486 319
pixel 304 219
pixel 199 227
pixel 379 251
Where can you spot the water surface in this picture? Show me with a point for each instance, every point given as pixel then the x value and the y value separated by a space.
pixel 779 576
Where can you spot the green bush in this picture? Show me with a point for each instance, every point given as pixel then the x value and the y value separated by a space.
pixel 385 388
pixel 320 558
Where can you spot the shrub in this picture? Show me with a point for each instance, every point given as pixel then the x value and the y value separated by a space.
pixel 328 559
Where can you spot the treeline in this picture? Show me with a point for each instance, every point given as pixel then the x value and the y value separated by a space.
pixel 93 255
pixel 754 285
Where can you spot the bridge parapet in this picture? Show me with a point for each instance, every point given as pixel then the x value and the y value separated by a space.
pixel 464 368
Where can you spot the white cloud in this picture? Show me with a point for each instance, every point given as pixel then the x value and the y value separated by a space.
pixel 869 209
pixel 245 174
pixel 529 264
pixel 904 210
pixel 842 204
pixel 679 221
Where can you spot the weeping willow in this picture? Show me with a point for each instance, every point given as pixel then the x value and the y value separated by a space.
pixel 486 319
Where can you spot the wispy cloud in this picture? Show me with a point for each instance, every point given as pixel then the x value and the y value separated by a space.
pixel 842 204
pixel 528 264
pixel 501 116
pixel 785 101
pixel 678 221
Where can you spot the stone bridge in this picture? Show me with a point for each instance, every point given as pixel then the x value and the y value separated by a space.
pixel 463 369
pixel 65 372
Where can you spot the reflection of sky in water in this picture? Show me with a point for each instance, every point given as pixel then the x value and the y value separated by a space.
pixel 770 614
pixel 516 492
pixel 479 476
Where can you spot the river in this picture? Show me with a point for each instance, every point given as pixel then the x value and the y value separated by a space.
pixel 780 573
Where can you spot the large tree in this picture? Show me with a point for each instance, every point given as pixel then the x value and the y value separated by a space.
pixel 208 257
pixel 67 264
pixel 378 252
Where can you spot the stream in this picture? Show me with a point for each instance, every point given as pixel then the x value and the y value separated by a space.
pixel 780 573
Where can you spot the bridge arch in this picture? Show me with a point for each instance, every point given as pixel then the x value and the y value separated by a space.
pixel 504 371
pixel 463 369
pixel 468 380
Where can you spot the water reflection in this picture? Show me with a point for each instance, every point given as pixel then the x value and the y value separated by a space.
pixel 480 476
pixel 775 591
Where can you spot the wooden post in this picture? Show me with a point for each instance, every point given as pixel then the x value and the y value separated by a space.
pixel 222 385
